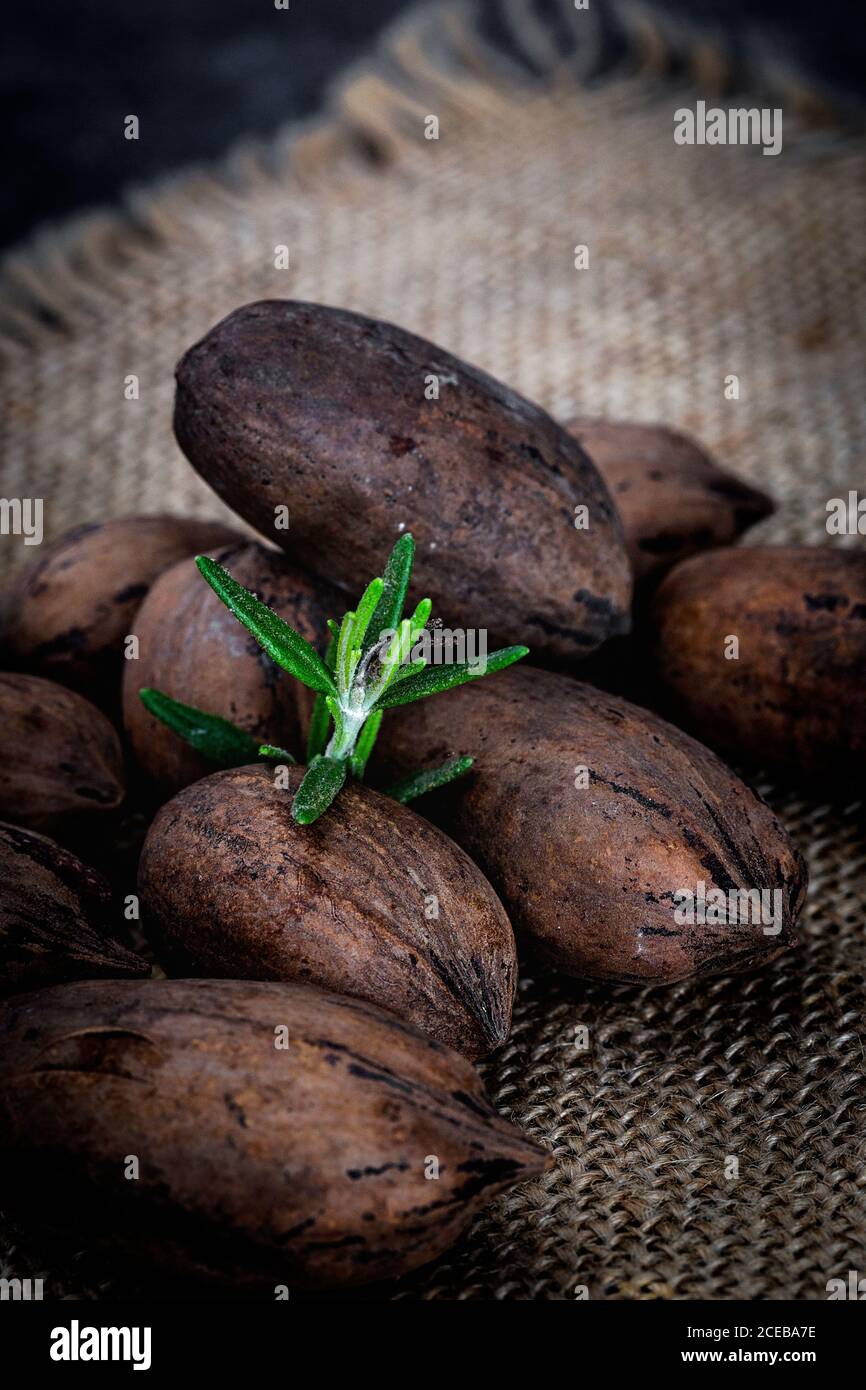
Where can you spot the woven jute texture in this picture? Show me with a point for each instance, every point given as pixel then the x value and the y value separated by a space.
pixel 709 1139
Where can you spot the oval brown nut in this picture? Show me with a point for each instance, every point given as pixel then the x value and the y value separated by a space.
pixel 371 901
pixel 53 915
pixel 284 1135
pixel 589 814
pixel 193 649
pixel 794 695
pixel 69 613
pixel 327 412
pixel 60 758
pixel 673 498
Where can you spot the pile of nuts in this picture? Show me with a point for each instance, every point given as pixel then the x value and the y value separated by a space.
pixel 287 1097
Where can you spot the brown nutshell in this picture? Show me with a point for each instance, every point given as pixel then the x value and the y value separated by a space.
pixel 54 912
pixel 193 649
pixel 325 410
pixel 793 697
pixel 283 1135
pixel 673 498
pixel 60 758
pixel 587 873
pixel 68 613
pixel 371 901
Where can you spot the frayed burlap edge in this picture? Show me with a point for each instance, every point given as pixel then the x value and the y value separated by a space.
pixel 434 58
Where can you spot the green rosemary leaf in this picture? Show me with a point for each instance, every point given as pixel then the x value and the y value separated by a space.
pixel 436 678
pixel 324 778
pixel 343 663
pixel 395 583
pixel 401 648
pixel 421 782
pixel 285 646
pixel 217 739
pixel 365 610
pixel 410 668
pixel 364 745
pixel 275 754
pixel 334 629
pixel 317 734
pixel 339 717
pixel 420 617
pixel 393 659
pixel 331 649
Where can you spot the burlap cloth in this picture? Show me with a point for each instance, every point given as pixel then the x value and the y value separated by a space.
pixel 704 262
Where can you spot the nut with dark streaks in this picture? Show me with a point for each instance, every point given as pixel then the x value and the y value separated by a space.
pixel 588 814
pixel 69 612
pixel 371 901
pixel 330 412
pixel 284 1136
pixel 673 498
pixel 193 649
pixel 60 758
pixel 795 694
pixel 53 915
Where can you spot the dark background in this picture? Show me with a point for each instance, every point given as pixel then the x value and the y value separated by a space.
pixel 199 73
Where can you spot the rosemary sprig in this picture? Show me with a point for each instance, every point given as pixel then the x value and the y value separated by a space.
pixel 372 664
